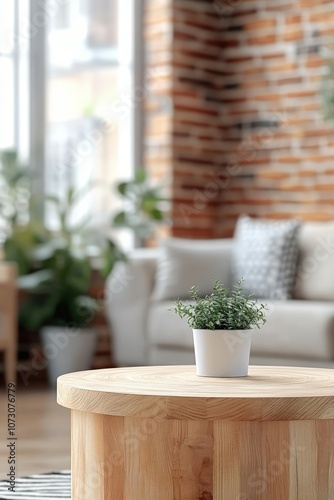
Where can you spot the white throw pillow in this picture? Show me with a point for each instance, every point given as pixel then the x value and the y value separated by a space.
pixel 265 255
pixel 184 263
pixel 315 272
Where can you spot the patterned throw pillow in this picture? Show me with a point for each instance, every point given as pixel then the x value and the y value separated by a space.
pixel 265 254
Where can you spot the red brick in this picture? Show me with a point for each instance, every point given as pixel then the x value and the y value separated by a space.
pixel 292 35
pixel 188 93
pixel 316 133
pixel 279 6
pixel 328 200
pixel 310 3
pixel 289 159
pixel 322 17
pixel 315 78
pixel 249 84
pixel 307 173
pixel 314 62
pixel 310 106
pixel 252 162
pixel 277 55
pixel 268 97
pixel 273 174
pixel 257 202
pixel 317 216
pixel 290 81
pixel 262 40
pixel 295 188
pixel 327 31
pixel 236 112
pixel 324 187
pixel 302 93
pixel 195 109
pixel 252 70
pixel 299 120
pixel 239 59
pixel 294 19
pixel 223 43
pixel 179 35
pixel 242 13
pixel 203 24
pixel 198 54
pixel 260 24
pixel 279 215
pixel 321 158
pixel 281 67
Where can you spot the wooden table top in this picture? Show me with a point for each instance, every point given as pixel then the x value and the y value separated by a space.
pixel 176 392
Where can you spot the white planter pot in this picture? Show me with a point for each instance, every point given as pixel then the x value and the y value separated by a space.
pixel 222 353
pixel 67 350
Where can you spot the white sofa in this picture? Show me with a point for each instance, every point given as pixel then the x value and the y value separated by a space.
pixel 298 332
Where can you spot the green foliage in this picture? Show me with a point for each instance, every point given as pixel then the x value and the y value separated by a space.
pixel 15 183
pixel 58 287
pixel 57 293
pixel 18 234
pixel 20 245
pixel 222 309
pixel 143 205
pixel 55 266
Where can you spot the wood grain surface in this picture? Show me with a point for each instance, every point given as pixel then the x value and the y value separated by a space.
pixel 179 451
pixel 267 393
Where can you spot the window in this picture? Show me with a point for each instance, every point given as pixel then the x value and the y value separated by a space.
pixel 14 87
pixel 8 56
pixel 79 95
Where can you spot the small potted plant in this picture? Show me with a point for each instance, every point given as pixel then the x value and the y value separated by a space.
pixel 222 324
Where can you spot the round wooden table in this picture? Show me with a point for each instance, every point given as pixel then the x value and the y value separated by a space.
pixel 162 433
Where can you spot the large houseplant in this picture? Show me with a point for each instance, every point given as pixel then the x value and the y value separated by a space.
pixel 58 301
pixel 56 264
pixel 222 323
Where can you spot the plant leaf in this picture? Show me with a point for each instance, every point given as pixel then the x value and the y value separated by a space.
pixel 140 176
pixel 120 219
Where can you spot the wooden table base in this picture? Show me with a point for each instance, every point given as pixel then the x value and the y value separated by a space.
pixel 131 458
pixel 162 433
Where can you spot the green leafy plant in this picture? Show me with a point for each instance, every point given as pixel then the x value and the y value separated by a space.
pixel 143 205
pixel 56 265
pixel 58 289
pixel 223 309
pixel 18 234
pixel 15 187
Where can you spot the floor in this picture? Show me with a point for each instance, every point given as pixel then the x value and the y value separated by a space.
pixel 43 432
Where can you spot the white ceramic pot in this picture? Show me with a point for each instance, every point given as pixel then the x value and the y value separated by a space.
pixel 222 353
pixel 67 350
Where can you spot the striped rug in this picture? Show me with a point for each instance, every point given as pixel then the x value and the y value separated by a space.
pixel 54 486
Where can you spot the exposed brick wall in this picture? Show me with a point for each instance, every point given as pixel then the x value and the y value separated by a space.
pixel 243 122
pixel 158 106
pixel 198 127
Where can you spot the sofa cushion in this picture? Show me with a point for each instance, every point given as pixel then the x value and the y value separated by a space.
pixel 183 263
pixel 297 328
pixel 165 328
pixel 265 254
pixel 315 272
pixel 294 329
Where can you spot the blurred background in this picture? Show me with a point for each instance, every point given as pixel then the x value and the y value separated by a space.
pixel 67 77
pixel 123 121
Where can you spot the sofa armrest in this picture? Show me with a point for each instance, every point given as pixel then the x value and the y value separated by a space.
pixel 128 292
